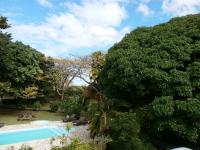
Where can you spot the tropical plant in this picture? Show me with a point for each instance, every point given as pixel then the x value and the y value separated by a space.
pixel 99 115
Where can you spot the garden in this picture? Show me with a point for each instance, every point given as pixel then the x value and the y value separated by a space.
pixel 144 94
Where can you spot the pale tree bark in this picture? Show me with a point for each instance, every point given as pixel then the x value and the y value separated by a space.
pixel 66 70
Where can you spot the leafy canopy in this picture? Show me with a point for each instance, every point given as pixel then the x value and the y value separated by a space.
pixel 159 67
pixel 22 67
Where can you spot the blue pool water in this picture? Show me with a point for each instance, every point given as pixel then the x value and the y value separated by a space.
pixel 10 137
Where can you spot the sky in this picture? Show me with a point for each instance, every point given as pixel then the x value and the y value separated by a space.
pixel 61 28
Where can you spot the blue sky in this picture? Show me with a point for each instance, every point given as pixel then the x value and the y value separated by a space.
pixel 61 28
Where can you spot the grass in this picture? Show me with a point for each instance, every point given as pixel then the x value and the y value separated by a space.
pixel 9 116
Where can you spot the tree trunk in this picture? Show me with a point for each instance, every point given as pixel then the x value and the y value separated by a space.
pixel 63 94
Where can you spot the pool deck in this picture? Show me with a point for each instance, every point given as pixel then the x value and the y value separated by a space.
pixel 44 144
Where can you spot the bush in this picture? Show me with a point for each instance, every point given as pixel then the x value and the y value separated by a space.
pixel 54 106
pixel 25 147
pixel 77 144
pixel 37 106
pixel 71 106
pixel 124 131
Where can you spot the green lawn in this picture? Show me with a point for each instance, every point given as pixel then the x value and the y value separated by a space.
pixel 9 116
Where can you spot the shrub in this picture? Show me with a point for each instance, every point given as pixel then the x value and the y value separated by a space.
pixel 37 106
pixel 54 106
pixel 98 114
pixel 25 147
pixel 77 144
pixel 124 131
pixel 71 106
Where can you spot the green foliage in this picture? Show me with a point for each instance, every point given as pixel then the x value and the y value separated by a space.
pixel 154 61
pixel 30 92
pixel 21 65
pixel 77 144
pixel 92 108
pixel 158 69
pixel 5 39
pixel 125 133
pixel 72 105
pixel 25 147
pixel 100 143
pixel 3 23
pixel 54 106
pixel 98 114
pixel 69 126
pixel 163 106
pixel 4 88
pixel 179 117
pixel 74 91
pixel 37 105
pixel 97 59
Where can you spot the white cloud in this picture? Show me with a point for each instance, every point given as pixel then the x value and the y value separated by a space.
pixel 144 9
pixel 91 24
pixel 180 7
pixel 104 13
pixel 45 3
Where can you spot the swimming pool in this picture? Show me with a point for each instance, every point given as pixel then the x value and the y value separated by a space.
pixel 41 122
pixel 15 136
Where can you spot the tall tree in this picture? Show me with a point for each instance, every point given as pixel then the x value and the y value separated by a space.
pixel 158 67
pixel 85 68
pixel 4 23
pixel 66 70
pixel 59 77
pixel 97 61
pixel 21 66
pixel 5 39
